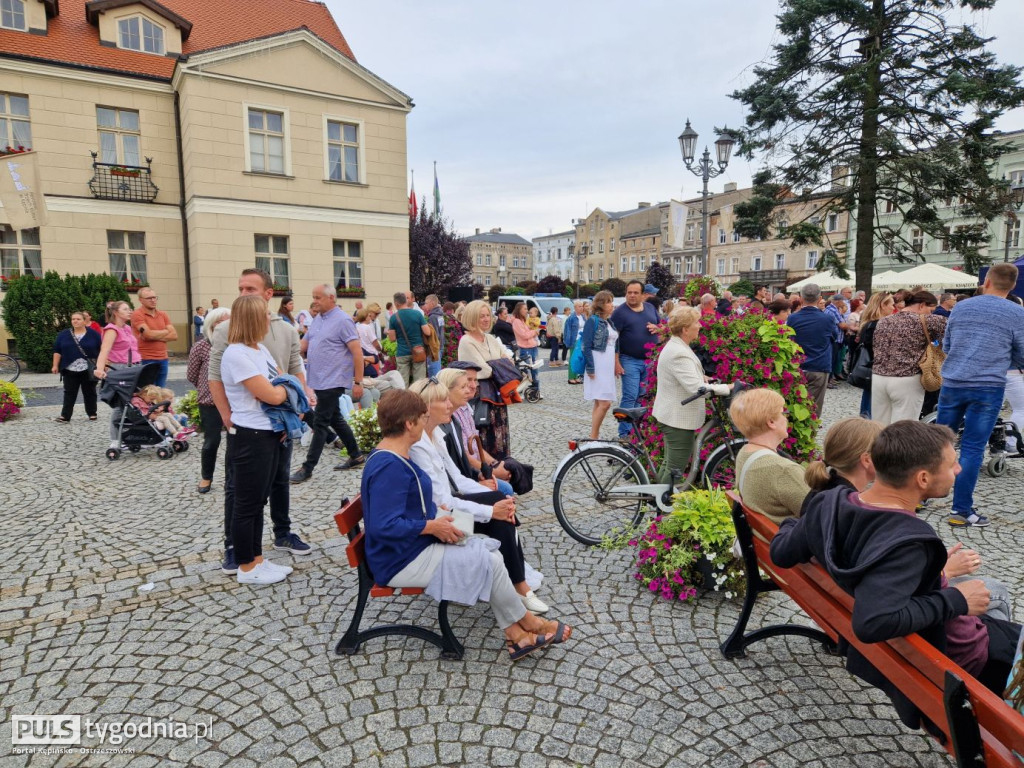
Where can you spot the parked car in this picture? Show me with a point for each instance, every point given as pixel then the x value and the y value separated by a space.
pixel 543 301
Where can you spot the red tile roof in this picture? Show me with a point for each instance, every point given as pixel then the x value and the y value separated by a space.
pixel 73 40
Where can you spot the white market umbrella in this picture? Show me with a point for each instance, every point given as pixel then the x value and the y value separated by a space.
pixel 933 277
pixel 827 281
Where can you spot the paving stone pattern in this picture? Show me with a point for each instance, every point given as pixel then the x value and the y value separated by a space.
pixel 642 682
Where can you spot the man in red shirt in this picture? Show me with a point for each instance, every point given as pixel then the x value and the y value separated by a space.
pixel 152 327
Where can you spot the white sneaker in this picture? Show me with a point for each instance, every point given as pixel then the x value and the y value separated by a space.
pixel 261 574
pixel 285 569
pixel 533 603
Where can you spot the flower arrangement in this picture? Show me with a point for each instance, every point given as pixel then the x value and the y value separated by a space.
pixel 453 331
pixel 756 350
pixel 351 293
pixel 694 286
pixel 11 401
pixel 124 170
pixel 188 406
pixel 282 290
pixel 365 427
pixel 688 549
pixel 15 150
pixel 134 284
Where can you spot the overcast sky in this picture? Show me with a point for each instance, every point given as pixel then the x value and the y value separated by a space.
pixel 537 112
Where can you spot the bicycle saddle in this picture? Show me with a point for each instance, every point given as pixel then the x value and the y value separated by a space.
pixel 629 414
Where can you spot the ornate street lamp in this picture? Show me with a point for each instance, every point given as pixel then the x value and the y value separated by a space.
pixel 706 170
pixel 1013 205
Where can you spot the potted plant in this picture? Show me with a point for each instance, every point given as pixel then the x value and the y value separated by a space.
pixel 134 284
pixel 124 170
pixel 282 290
pixel 688 549
pixel 351 293
pixel 15 150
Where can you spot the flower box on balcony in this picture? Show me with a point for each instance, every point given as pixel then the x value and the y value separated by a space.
pixel 351 293
pixel 134 286
pixel 132 173
pixel 9 150
pixel 282 290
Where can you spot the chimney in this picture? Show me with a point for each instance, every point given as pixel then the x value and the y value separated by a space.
pixel 729 187
pixel 478 230
pixel 643 205
pixel 495 230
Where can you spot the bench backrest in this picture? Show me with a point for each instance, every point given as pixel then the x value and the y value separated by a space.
pixel 348 520
pixel 911 663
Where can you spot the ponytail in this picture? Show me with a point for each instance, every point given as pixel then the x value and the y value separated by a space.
pixel 818 476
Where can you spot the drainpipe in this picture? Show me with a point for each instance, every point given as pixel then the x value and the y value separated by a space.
pixel 184 222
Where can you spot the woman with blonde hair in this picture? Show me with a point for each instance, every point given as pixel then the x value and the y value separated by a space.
pixel 846 460
pixel 768 483
pixel 478 346
pixel 600 344
pixel 680 375
pixel 879 305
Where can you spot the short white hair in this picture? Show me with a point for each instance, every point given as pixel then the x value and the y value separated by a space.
pixel 213 317
pixel 707 298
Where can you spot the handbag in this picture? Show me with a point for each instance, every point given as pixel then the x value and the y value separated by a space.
pixel 860 371
pixel 481 413
pixel 90 360
pixel 931 363
pixel 419 354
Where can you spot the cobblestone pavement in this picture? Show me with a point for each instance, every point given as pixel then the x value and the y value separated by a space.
pixel 641 683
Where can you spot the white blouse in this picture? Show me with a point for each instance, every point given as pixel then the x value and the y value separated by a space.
pixel 431 455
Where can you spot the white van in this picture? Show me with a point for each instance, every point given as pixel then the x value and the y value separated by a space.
pixel 542 301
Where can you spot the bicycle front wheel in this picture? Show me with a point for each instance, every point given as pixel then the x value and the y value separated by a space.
pixel 587 502
pixel 9 368
pixel 720 471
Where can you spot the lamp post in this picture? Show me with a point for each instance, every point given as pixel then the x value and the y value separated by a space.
pixel 1013 204
pixel 581 252
pixel 705 170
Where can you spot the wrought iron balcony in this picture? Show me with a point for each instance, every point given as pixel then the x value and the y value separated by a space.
pixel 114 181
pixel 769 276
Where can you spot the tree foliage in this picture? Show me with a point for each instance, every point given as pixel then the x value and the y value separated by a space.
pixel 551 284
pixel 479 291
pixel 529 286
pixel 661 278
pixel 495 291
pixel 881 100
pixel 438 256
pixel 35 310
pixel 615 285
pixel 743 288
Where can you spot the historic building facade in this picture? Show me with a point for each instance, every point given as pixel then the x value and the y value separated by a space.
pixel 500 258
pixel 555 255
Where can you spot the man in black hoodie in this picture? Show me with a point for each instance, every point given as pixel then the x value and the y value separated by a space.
pixel 876 548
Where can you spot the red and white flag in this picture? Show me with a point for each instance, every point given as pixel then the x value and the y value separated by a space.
pixel 413 208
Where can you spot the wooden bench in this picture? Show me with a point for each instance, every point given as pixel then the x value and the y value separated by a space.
pixel 975 725
pixel 348 520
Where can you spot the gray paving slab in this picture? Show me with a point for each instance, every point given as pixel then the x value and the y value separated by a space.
pixel 642 683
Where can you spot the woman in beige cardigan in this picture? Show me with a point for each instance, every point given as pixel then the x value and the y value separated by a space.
pixel 477 345
pixel 680 375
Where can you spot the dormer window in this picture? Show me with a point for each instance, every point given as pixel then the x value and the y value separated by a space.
pixel 12 14
pixel 137 33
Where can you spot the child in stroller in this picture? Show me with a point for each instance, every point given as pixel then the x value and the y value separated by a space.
pixel 131 414
pixel 155 403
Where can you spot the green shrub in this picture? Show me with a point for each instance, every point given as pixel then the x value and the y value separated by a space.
pixel 11 401
pixel 36 309
pixel 188 406
pixel 365 427
pixel 743 288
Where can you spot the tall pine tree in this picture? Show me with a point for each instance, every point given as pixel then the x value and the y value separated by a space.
pixel 883 100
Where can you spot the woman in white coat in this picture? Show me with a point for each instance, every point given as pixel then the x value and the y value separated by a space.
pixel 680 375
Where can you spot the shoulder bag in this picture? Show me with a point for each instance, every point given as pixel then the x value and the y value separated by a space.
pixel 91 361
pixel 860 371
pixel 462 520
pixel 419 353
pixel 931 362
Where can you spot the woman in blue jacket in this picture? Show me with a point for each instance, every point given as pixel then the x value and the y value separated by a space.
pixel 600 346
pixel 74 357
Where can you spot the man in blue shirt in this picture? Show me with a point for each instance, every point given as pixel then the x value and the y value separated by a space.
pixel 984 339
pixel 814 331
pixel 946 303
pixel 335 358
pixel 637 324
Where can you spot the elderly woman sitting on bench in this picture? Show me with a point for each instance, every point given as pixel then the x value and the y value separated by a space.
pixel 408 544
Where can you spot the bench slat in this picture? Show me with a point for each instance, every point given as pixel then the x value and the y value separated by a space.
pixel 349 516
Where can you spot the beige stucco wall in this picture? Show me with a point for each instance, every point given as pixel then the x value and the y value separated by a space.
pixel 35 15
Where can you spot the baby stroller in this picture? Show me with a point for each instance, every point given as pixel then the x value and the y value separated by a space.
pixel 529 391
pixel 135 430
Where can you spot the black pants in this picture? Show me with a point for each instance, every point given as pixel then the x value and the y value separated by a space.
pixel 505 533
pixel 212 425
pixel 327 416
pixel 1003 637
pixel 253 457
pixel 73 381
pixel 279 493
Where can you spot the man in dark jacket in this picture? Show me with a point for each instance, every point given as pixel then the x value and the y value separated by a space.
pixel 876 548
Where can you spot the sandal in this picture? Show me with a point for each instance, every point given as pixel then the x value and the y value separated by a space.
pixel 92 418
pixel 562 633
pixel 516 651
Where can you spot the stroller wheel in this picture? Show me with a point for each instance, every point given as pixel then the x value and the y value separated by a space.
pixel 113 454
pixel 996 466
pixel 164 452
pixel 532 395
pixel 179 446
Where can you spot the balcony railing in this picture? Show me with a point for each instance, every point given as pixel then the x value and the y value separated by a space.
pixel 115 181
pixel 769 276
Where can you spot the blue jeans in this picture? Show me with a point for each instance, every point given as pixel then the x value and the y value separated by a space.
pixel 865 402
pixel 554 349
pixel 633 371
pixel 161 379
pixel 977 409
pixel 531 355
pixel 433 367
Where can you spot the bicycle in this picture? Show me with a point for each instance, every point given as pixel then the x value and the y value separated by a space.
pixel 10 368
pixel 602 486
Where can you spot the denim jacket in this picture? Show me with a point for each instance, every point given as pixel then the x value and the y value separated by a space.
pixel 286 415
pixel 595 339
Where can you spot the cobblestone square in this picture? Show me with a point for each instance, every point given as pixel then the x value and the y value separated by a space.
pixel 641 683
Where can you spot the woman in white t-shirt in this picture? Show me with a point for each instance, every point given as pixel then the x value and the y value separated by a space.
pixel 247 370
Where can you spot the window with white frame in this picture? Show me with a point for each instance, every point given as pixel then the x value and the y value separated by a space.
pixel 917 240
pixel 890 206
pixel 501 260
pixel 780 261
pixel 1016 178
pixel 624 261
pixel 944 246
pixel 832 222
pixel 266 135
pixel 812 259
pixel 720 267
pixel 127 253
pixel 690 231
pixel 487 260
pixel 600 271
pixel 677 266
pixel 643 263
pixel 632 263
pixel 119 135
pixel 756 264
pixel 689 265
pixel 783 228
pixel 479 260
pixel 611 244
pixel 721 236
pixel 590 273
pixel 15 128
pixel 137 33
pixel 343 151
pixel 1014 238
pixel 348 264
pixel 735 236
pixel 20 253
pixel 12 14
pixel 272 258
pixel 600 246
pixel 611 269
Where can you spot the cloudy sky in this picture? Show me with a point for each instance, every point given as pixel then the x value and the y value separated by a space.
pixel 537 112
